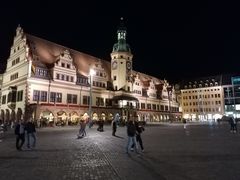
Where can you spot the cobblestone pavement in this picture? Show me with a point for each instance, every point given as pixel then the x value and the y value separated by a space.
pixel 171 153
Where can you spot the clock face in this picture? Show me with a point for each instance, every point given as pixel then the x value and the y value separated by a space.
pixel 114 65
pixel 128 65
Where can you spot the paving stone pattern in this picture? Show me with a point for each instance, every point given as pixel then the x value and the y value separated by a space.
pixel 171 153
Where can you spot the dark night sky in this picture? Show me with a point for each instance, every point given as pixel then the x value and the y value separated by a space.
pixel 171 39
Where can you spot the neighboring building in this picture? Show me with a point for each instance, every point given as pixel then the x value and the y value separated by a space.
pixel 51 82
pixel 231 89
pixel 202 99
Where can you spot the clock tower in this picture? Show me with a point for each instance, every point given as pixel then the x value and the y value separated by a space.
pixel 121 59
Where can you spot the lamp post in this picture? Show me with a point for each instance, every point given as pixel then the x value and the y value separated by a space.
pixel 91 73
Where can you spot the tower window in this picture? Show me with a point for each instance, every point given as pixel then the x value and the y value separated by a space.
pixel 114 77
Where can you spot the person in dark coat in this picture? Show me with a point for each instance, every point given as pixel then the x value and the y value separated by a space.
pixel 20 134
pixel 114 124
pixel 100 125
pixel 139 130
pixel 131 132
pixel 31 133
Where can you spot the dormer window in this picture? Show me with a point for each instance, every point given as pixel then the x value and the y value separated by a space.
pixel 68 66
pixel 63 64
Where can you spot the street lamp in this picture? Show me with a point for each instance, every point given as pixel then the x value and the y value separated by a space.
pixel 91 73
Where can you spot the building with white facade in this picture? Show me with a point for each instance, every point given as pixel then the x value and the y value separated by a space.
pixel 202 99
pixel 50 82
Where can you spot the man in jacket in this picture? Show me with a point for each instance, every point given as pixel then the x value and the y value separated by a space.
pixel 20 134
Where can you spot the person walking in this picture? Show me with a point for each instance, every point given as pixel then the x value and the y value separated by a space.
pixel 100 125
pixel 114 124
pixel 31 133
pixel 131 132
pixel 233 124
pixel 82 131
pixel 184 123
pixel 20 134
pixel 139 130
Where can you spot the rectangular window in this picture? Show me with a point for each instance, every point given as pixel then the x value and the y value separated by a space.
pixel 142 105
pixel 59 97
pixel 36 95
pixel 13 62
pixel 44 96
pixel 20 95
pixel 162 107
pixel 86 100
pixel 149 106
pixel 137 105
pixel 108 102
pixel 14 76
pixel 52 96
pixel 99 101
pixel 72 98
pixel 154 106
pixel 17 60
pixel 9 98
pixel 69 98
pixel 114 77
pixel 4 99
pixel 68 66
pixel 166 108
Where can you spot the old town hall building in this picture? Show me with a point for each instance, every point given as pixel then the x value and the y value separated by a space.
pixel 47 81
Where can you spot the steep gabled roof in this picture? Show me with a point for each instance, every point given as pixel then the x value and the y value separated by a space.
pixel 48 53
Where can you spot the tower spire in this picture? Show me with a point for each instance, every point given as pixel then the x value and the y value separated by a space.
pixel 121 45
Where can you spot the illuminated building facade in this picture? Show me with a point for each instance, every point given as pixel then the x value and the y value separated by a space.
pixel 232 96
pixel 209 98
pixel 202 99
pixel 50 82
